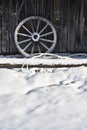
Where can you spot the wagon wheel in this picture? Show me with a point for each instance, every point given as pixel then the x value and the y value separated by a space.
pixel 35 35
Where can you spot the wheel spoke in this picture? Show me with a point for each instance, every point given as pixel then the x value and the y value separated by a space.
pixel 39 49
pixel 46 34
pixel 27 46
pixel 46 40
pixel 38 24
pixel 25 35
pixel 33 49
pixel 32 27
pixel 24 41
pixel 44 45
pixel 43 29
pixel 27 29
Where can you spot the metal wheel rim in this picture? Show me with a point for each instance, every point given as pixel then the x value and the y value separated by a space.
pixel 39 38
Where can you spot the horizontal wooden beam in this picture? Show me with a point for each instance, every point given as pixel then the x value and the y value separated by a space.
pixel 10 66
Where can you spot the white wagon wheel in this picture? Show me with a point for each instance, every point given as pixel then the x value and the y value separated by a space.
pixel 35 34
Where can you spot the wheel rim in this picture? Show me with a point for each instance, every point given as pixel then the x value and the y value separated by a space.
pixel 35 35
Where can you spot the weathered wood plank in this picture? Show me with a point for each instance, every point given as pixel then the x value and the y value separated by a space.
pixel 85 27
pixel 79 27
pixel 57 22
pixel 71 26
pixel 0 36
pixel 13 22
pixel 5 28
pixel 63 25
pixel 11 66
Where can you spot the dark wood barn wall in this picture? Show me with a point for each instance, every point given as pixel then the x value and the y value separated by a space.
pixel 68 16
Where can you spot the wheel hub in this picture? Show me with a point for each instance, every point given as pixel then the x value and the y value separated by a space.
pixel 35 37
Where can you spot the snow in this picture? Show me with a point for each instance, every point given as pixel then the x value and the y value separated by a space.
pixel 43 99
pixel 52 59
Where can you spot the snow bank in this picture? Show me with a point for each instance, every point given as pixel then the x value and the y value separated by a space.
pixel 43 99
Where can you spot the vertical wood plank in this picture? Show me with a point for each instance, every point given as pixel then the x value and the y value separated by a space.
pixel 63 25
pixel 1 12
pixel 71 25
pixel 85 27
pixel 79 27
pixel 57 22
pixel 13 21
pixel 5 29
pixel 82 25
pixel 0 35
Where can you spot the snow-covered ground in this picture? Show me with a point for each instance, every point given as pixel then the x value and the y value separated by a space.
pixel 43 99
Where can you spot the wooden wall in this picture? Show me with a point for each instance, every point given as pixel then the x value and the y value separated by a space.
pixel 68 16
